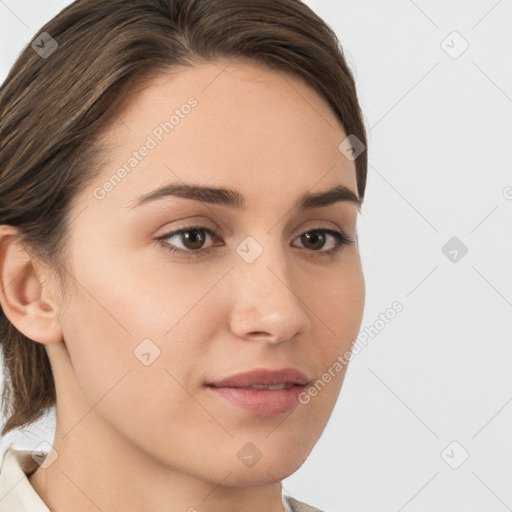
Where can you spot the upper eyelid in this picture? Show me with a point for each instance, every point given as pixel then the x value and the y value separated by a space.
pixel 184 229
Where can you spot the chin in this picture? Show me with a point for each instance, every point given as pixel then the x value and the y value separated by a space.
pixel 258 476
pixel 269 469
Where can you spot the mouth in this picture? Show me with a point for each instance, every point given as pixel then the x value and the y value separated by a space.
pixel 284 385
pixel 262 392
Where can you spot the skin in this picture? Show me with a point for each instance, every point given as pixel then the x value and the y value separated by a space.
pixel 142 438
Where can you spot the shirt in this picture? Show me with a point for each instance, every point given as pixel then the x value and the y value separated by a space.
pixel 18 495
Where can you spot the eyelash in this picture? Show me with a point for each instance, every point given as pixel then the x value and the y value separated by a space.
pixel 342 239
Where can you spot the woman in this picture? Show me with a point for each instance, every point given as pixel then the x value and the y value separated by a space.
pixel 179 269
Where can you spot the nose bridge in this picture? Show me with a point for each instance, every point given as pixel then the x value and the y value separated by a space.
pixel 266 300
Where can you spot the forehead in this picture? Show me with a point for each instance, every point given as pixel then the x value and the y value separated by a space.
pixel 227 123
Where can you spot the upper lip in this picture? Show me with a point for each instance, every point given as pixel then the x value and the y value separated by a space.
pixel 263 376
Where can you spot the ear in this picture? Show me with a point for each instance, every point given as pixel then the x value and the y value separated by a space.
pixel 25 296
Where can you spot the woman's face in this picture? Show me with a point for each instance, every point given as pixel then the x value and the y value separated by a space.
pixel 148 329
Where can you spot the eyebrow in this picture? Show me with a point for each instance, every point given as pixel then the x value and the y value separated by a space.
pixel 234 199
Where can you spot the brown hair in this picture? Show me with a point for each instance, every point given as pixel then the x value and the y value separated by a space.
pixel 59 97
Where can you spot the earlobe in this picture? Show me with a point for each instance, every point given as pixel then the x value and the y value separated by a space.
pixel 24 295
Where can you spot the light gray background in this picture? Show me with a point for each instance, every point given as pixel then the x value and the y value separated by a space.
pixel 440 137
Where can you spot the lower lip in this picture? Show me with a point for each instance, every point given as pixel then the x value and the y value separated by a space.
pixel 262 402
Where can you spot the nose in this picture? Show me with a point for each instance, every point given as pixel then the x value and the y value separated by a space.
pixel 267 306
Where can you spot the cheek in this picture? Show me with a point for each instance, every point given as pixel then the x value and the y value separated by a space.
pixel 151 405
pixel 99 347
pixel 122 321
pixel 339 306
pixel 112 375
pixel 336 308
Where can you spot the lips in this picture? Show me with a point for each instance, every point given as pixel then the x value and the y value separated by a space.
pixel 263 377
pixel 262 392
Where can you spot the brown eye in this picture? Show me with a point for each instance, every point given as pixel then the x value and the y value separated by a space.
pixel 315 240
pixel 191 238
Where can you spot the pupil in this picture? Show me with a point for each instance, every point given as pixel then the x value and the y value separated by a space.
pixel 315 236
pixel 196 239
